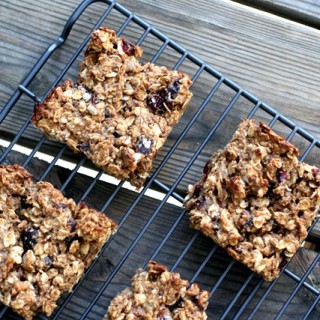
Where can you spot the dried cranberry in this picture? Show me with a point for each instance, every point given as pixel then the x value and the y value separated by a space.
pixel 72 224
pixel 28 238
pixel 172 91
pixel 201 202
pixel 206 167
pixel 205 170
pixel 162 316
pixel 155 102
pixel 248 216
pixel 128 47
pixel 47 262
pixel 248 224
pixel 144 145
pixel 84 147
pixel 197 189
pixel 59 206
pixel 81 87
pixel 282 176
pixel 315 171
pixel 94 99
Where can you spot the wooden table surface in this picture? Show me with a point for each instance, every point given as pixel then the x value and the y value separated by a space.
pixel 270 48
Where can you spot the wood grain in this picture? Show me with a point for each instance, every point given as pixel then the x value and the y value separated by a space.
pixel 302 11
pixel 275 59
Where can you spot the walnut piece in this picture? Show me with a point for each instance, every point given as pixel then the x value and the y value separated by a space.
pixel 255 199
pixel 47 242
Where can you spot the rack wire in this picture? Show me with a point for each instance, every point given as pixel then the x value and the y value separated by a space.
pixel 236 293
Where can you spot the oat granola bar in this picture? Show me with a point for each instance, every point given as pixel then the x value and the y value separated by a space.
pixel 47 241
pixel 120 113
pixel 160 295
pixel 255 199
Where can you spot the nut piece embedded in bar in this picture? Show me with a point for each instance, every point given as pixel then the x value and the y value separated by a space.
pixel 255 199
pixel 161 295
pixel 120 112
pixel 47 241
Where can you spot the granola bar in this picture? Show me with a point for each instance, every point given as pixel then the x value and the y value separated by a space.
pixel 120 113
pixel 255 199
pixel 47 241
pixel 161 295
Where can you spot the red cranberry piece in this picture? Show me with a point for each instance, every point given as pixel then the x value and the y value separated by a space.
pixel 155 102
pixel 282 176
pixel 94 99
pixel 248 224
pixel 172 91
pixel 197 189
pixel 128 47
pixel 28 238
pixel 205 170
pixel 59 205
pixel 144 145
pixel 81 87
pixel 201 202
pixel 315 171
pixel 84 147
pixel 72 224
pixel 47 262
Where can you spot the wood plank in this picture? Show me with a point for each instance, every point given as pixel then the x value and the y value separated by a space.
pixel 302 11
pixel 234 43
pixel 261 52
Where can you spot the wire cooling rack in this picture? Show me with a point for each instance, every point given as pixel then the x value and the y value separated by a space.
pixel 152 222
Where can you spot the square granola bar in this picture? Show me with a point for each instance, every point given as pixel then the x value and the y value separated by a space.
pixel 161 295
pixel 120 113
pixel 255 199
pixel 47 241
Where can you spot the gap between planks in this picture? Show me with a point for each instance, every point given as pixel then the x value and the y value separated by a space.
pixel 88 172
pixel 300 11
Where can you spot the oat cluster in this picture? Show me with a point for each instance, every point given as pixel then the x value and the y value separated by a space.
pixel 47 241
pixel 120 113
pixel 157 294
pixel 255 199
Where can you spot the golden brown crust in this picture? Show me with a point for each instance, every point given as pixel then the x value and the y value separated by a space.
pixel 161 295
pixel 47 242
pixel 255 199
pixel 121 113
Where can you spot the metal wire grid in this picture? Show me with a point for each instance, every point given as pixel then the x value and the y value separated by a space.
pixel 252 285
